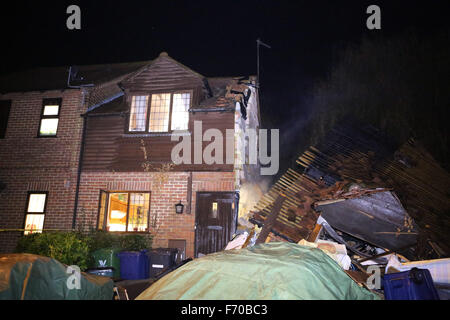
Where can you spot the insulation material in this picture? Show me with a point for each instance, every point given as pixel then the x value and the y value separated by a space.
pixel 335 251
pixel 439 268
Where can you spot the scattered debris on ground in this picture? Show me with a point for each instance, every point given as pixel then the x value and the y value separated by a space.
pixel 354 191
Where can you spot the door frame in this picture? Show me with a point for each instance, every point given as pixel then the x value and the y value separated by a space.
pixel 235 195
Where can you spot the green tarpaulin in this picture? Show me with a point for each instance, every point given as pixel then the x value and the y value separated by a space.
pixel 271 271
pixel 33 277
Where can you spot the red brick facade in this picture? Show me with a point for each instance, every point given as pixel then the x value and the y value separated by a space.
pixel 29 163
pixel 162 202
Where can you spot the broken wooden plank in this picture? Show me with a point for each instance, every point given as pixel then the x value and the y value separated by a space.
pixel 269 222
pixel 315 233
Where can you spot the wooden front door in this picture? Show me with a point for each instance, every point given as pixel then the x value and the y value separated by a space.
pixel 215 221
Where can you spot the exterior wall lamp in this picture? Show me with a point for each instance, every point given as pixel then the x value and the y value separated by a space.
pixel 179 208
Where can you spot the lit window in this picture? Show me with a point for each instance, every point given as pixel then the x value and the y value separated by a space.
pixel 51 110
pixel 124 211
pixel 102 209
pixel 48 127
pixel 138 212
pixel 159 112
pixel 117 213
pixel 49 118
pixel 34 220
pixel 168 112
pixel 36 202
pixel 180 111
pixel 138 113
pixel 34 223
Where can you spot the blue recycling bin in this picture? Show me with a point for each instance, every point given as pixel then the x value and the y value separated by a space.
pixel 133 265
pixel 414 284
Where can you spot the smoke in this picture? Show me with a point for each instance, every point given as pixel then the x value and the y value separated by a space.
pixel 250 194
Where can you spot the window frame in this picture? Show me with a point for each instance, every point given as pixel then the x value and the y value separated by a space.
pixel 27 203
pixel 106 208
pixel 130 102
pixel 149 103
pixel 48 102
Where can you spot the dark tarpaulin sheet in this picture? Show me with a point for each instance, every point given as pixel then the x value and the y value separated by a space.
pixel 378 218
pixel 33 277
pixel 271 271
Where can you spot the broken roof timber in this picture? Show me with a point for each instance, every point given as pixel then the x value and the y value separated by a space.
pixel 352 155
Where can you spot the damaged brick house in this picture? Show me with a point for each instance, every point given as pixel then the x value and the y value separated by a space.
pixel 111 167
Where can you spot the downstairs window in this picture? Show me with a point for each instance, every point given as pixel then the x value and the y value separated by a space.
pixel 124 211
pixel 35 212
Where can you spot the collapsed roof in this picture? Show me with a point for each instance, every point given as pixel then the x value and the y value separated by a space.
pixel 357 163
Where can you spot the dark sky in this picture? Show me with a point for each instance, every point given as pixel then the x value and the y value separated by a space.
pixel 215 38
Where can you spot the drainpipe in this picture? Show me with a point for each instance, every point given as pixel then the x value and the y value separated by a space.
pixel 84 93
pixel 80 164
pixel 189 194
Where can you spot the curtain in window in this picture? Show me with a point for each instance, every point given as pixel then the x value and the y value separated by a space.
pixel 180 111
pixel 138 113
pixel 159 112
pixel 34 223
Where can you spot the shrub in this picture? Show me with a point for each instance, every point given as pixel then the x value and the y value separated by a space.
pixel 35 243
pixel 74 248
pixel 135 242
pixel 69 248
pixel 99 239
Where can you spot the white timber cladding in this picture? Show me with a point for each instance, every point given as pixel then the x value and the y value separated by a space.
pixel 244 171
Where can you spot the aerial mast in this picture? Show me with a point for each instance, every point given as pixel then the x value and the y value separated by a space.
pixel 258 44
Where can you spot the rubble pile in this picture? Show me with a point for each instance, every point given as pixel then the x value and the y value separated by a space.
pixel 379 205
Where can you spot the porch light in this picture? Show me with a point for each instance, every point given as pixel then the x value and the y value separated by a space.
pixel 179 207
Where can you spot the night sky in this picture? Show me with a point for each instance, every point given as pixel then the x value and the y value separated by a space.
pixel 215 38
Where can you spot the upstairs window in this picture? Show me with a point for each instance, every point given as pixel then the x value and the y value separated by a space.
pixel 35 212
pixel 160 112
pixel 138 113
pixel 49 118
pixel 180 111
pixel 124 211
pixel 5 106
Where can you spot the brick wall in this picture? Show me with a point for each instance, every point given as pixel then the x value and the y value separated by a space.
pixel 29 163
pixel 162 202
